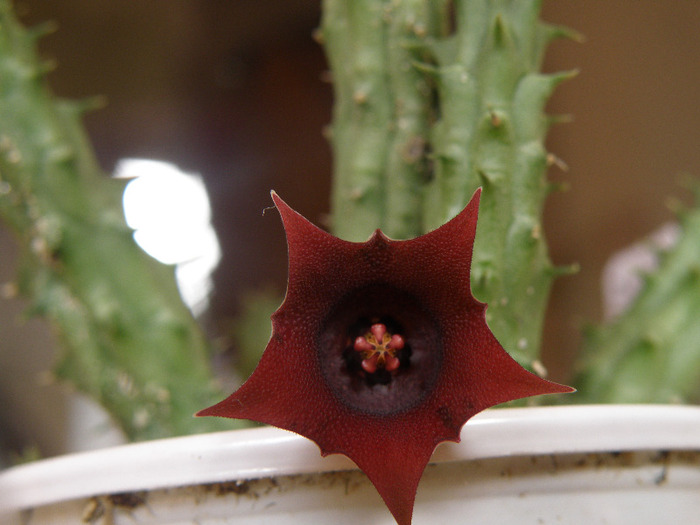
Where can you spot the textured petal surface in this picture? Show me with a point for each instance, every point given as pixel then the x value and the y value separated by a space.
pixel 304 382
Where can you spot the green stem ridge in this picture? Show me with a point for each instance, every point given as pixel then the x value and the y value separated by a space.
pixel 444 98
pixel 651 352
pixel 381 114
pixel 128 340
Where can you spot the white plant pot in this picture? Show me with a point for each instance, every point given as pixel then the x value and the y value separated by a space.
pixel 570 464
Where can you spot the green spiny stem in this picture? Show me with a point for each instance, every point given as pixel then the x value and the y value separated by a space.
pixel 491 134
pixel 474 112
pixel 129 342
pixel 651 353
pixel 381 115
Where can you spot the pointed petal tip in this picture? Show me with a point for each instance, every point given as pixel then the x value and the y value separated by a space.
pixel 220 409
pixel 280 204
pixel 284 209
pixel 475 201
pixel 476 197
pixel 403 520
pixel 202 413
pixel 275 197
pixel 401 510
pixel 558 388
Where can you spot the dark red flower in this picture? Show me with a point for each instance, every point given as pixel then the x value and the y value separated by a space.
pixel 380 352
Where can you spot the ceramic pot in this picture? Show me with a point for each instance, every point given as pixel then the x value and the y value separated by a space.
pixel 571 464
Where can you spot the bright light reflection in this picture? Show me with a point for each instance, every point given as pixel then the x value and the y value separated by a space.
pixel 170 214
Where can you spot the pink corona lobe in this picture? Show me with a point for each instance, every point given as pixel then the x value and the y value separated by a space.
pixel 379 348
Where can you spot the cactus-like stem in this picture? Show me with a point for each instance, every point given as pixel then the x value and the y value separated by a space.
pixel 491 134
pixel 651 353
pixel 382 113
pixel 129 342
pixel 432 104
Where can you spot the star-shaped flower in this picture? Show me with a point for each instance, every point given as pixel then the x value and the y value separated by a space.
pixel 380 352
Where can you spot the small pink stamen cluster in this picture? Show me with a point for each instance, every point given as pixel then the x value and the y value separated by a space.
pixel 379 349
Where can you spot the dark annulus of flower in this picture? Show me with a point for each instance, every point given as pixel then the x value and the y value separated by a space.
pixel 380 342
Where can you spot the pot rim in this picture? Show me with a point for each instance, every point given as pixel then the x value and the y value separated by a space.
pixel 268 451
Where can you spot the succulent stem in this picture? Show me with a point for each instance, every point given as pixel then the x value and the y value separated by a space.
pixel 434 100
pixel 651 352
pixel 128 340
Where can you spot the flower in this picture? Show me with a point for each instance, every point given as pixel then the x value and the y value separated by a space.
pixel 380 352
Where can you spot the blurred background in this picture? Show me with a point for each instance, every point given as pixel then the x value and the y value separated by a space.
pixel 234 91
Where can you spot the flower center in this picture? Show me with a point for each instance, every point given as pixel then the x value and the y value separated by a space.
pixel 379 348
pixel 379 351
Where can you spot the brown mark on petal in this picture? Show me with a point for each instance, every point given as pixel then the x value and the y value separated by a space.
pixel 446 417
